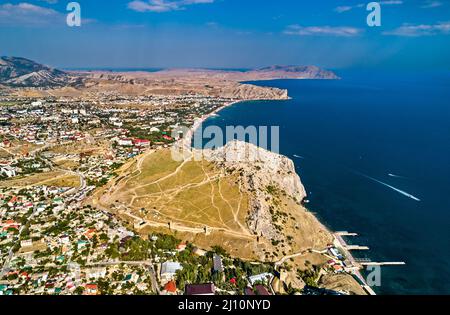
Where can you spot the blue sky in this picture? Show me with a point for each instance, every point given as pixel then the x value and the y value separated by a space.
pixel 415 34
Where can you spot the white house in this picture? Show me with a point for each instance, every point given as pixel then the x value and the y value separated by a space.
pixel 264 278
pixel 8 171
pixel 125 142
pixel 26 243
pixel 168 271
pixel 96 273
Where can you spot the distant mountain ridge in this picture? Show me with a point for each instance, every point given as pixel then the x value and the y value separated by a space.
pixel 311 72
pixel 290 68
pixel 17 72
pixel 22 72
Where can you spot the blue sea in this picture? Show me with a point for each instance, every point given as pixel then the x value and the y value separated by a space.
pixel 365 147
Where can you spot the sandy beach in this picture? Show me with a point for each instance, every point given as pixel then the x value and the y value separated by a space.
pixel 187 139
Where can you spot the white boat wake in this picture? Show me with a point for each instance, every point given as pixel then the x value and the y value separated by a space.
pixel 404 193
pixel 396 176
pixel 299 157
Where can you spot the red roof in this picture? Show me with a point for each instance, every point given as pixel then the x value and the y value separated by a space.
pixel 91 286
pixel 171 287
pixel 89 233
pixel 181 246
pixel 141 141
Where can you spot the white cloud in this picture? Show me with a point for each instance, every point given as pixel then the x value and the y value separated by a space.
pixel 346 8
pixel 212 24
pixel 432 4
pixel 389 2
pixel 27 14
pixel 341 31
pixel 410 30
pixel 163 5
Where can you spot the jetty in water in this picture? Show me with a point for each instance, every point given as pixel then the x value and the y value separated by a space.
pixel 355 265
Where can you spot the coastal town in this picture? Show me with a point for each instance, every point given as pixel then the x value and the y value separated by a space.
pixel 55 153
pixel 91 203
pixel 52 245
pixel 224 156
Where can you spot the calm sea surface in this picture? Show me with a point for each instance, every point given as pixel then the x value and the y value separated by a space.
pixel 366 147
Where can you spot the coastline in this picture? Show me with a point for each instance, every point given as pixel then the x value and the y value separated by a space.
pixel 187 140
pixel 187 143
pixel 199 121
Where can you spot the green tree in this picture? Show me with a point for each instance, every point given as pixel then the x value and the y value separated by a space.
pixel 79 290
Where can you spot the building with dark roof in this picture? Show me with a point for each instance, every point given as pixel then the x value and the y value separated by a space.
pixel 200 289
pixel 249 291
pixel 261 290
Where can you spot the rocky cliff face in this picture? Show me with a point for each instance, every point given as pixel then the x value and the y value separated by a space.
pixel 264 175
pixel 295 72
pixel 252 92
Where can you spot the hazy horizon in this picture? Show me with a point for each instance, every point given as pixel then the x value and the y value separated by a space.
pixel 228 34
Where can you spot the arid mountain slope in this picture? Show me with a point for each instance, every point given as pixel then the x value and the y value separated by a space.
pixel 21 72
pixel 42 81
